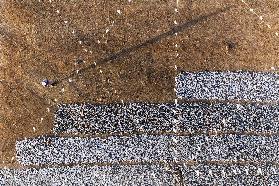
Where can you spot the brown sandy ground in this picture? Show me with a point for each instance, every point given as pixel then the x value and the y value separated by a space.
pixel 135 48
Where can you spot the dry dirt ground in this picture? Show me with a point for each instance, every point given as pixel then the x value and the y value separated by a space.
pixel 124 50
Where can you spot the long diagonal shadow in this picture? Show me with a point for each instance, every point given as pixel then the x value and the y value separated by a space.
pixel 150 41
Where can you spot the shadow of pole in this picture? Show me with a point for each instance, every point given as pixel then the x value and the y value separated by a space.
pixel 126 51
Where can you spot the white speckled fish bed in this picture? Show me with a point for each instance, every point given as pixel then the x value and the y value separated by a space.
pixel 89 118
pixel 85 175
pixel 152 118
pixel 247 86
pixel 60 150
pixel 196 175
pixel 230 175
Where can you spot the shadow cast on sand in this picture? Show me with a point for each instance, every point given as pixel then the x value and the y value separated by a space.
pixel 126 51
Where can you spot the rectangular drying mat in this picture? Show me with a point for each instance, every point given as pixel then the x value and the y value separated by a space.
pixel 241 85
pixel 147 148
pixel 88 175
pixel 169 117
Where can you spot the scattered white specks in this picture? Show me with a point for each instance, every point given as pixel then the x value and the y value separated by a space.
pixel 70 80
pixel 176 45
pixel 63 90
pixel 48 110
pixel 129 1
pixel 259 171
pixel 268 26
pixel 57 11
pixel 175 22
pixel 65 22
pixel 176 10
pixel 247 171
pixel 55 100
pixel 34 129
pixel 77 71
pixel 119 11
pixel 257 14
pixel 44 83
pixel 80 42
pixel 239 107
pixel 174 139
pixel 273 170
pixel 90 51
pixel 223 173
pixel 98 41
pixel 224 121
pixel 101 71
pixel 276 33
pixel 42 119
pixel 107 30
pixel 175 67
pixel 85 50
pixel 73 31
